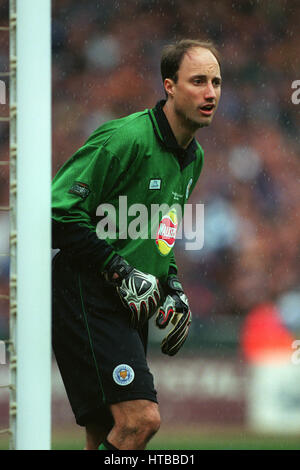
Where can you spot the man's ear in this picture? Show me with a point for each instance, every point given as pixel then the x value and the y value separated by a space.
pixel 169 86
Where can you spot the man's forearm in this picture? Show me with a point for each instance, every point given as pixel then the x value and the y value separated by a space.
pixel 81 243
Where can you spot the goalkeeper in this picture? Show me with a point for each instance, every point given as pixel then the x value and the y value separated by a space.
pixel 106 288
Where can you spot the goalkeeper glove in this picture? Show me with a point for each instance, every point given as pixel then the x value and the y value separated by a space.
pixel 175 310
pixel 140 293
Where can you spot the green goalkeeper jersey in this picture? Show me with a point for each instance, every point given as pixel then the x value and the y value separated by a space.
pixel 124 192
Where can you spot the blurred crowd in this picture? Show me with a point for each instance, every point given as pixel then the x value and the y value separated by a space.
pixel 106 57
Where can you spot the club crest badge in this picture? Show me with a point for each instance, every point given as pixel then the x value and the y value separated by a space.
pixel 123 374
pixel 166 233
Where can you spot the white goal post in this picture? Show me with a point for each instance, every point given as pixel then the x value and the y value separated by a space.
pixel 30 202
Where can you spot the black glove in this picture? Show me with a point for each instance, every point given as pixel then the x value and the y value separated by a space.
pixel 139 292
pixel 177 311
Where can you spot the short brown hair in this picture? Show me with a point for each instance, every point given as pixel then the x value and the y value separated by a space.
pixel 173 54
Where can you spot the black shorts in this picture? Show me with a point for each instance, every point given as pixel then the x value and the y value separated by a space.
pixel 101 359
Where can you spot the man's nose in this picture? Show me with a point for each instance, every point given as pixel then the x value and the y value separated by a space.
pixel 210 92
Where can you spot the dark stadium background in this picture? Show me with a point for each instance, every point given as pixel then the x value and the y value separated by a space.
pixel 244 285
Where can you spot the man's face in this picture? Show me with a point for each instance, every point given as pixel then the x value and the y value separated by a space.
pixel 197 92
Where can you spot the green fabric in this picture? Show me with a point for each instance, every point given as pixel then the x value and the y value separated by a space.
pixel 106 446
pixel 102 447
pixel 121 158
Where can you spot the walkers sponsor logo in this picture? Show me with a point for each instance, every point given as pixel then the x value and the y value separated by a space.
pixel 166 233
pixel 123 374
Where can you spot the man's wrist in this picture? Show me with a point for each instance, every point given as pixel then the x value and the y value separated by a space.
pixel 173 285
pixel 107 260
pixel 117 269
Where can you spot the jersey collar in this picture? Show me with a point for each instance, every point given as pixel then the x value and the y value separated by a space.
pixel 165 134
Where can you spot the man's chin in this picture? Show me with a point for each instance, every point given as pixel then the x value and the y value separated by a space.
pixel 203 121
pixel 205 124
pixel 199 124
pixel 194 123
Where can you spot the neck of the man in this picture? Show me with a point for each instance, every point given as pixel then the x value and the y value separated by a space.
pixel 182 129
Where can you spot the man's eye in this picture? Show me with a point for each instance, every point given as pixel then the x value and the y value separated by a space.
pixel 199 81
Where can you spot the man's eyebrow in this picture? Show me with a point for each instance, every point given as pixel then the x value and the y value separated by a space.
pixel 217 78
